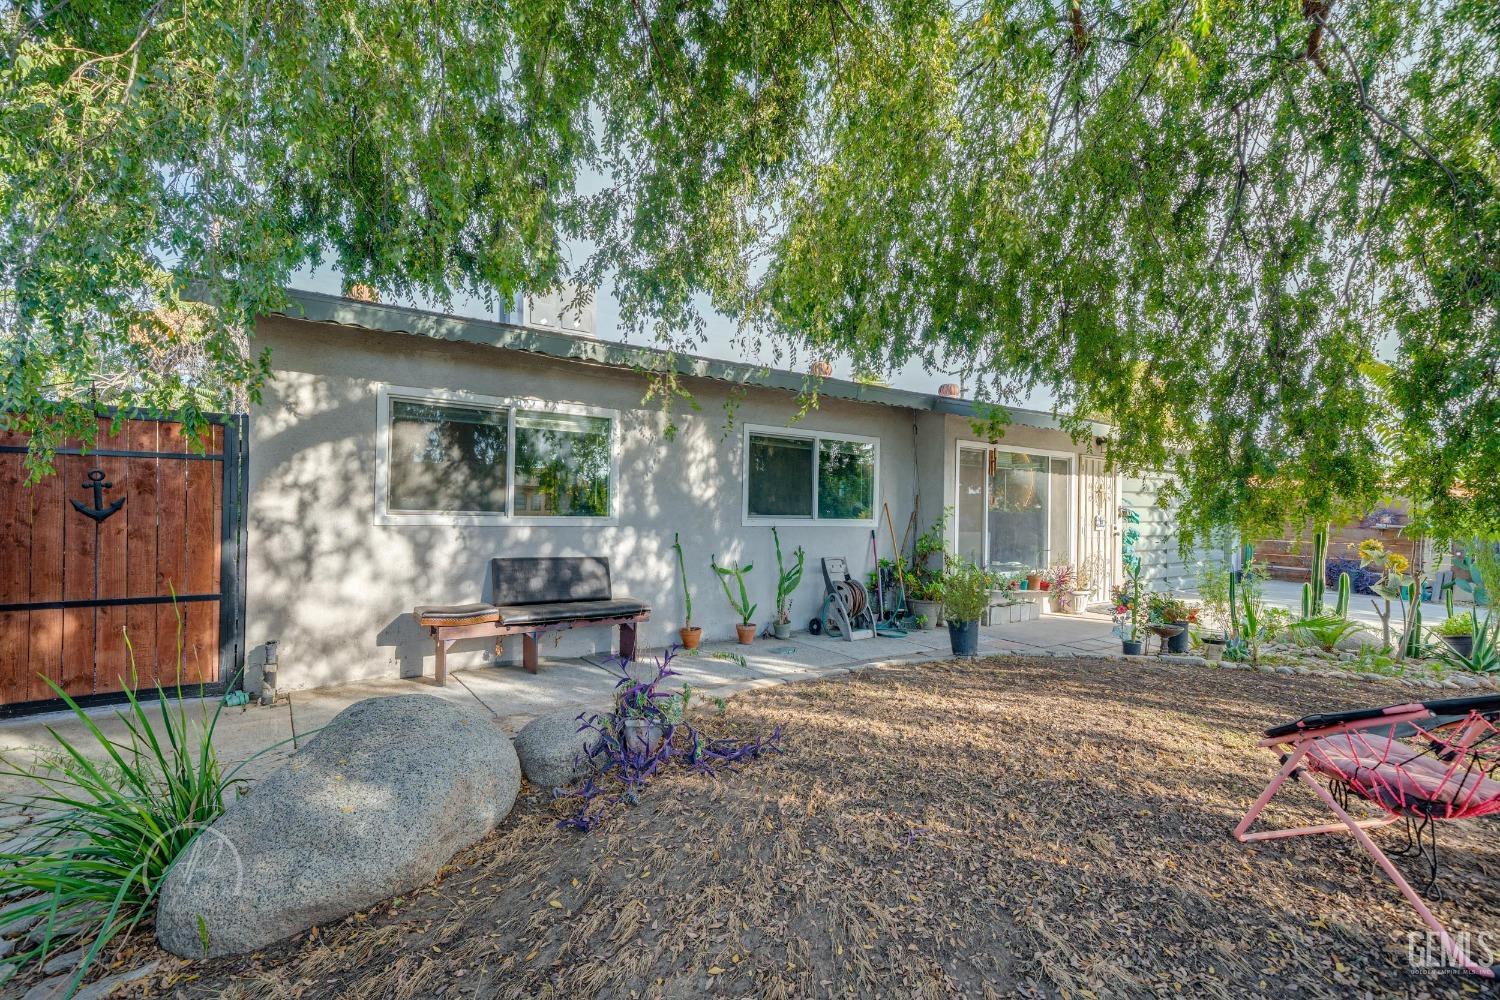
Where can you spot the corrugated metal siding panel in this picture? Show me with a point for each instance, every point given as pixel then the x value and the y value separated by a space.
pixel 1162 565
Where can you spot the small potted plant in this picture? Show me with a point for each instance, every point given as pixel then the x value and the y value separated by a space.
pixel 966 595
pixel 1064 580
pixel 1458 632
pixel 924 580
pixel 745 630
pixel 926 601
pixel 1033 579
pixel 1130 612
pixel 690 634
pixel 1182 614
pixel 787 581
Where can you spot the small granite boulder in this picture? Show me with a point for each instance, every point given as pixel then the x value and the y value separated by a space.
pixel 372 807
pixel 551 749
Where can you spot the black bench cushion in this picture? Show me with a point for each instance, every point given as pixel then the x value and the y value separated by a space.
pixel 549 580
pixel 569 611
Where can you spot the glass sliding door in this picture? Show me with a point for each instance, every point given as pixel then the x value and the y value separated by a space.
pixel 1014 509
pixel 971 504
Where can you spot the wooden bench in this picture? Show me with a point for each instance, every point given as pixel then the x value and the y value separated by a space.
pixel 531 597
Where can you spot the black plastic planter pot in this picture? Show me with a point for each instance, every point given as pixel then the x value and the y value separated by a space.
pixel 1179 642
pixel 964 636
pixel 1132 647
pixel 1462 645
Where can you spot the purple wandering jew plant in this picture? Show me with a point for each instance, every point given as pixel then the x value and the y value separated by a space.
pixel 645 732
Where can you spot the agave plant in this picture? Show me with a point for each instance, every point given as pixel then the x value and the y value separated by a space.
pixel 1484 655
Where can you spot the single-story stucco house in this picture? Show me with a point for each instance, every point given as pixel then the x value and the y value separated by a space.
pixel 396 451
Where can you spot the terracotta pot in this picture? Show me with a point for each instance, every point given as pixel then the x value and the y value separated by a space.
pixel 951 390
pixel 821 369
pixel 746 633
pixel 690 636
pixel 1033 581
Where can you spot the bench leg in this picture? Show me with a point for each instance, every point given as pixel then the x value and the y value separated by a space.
pixel 627 640
pixel 440 662
pixel 528 652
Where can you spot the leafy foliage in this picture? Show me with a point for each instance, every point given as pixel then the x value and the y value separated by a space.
pixel 1262 240
pixel 966 591
pixel 115 816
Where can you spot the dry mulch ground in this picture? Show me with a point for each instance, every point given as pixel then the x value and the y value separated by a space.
pixel 1008 827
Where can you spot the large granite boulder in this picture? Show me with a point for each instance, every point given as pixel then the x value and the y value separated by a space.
pixel 372 807
pixel 551 749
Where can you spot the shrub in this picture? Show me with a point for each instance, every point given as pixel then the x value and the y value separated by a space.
pixel 1361 579
pixel 113 823
pixel 966 591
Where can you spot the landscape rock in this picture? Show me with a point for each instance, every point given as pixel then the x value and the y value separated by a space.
pixel 64 962
pixel 377 802
pixel 551 749
pixel 57 987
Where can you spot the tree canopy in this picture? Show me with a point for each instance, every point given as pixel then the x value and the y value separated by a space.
pixel 1261 239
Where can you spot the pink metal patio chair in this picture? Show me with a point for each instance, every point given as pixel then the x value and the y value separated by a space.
pixel 1422 762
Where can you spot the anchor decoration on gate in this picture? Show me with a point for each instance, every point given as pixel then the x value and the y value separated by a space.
pixel 98 512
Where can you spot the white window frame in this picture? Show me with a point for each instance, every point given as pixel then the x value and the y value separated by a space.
pixel 815 436
pixel 1048 453
pixel 383 513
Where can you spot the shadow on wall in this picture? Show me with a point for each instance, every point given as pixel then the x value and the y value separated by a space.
pixel 335 588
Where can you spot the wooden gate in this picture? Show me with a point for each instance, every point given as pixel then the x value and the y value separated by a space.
pixel 124 569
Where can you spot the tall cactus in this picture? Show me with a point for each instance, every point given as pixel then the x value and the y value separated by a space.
pixel 1414 628
pixel 1313 597
pixel 1234 602
pixel 1342 607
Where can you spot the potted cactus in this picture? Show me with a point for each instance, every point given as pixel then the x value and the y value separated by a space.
pixel 787 581
pixel 745 630
pixel 690 634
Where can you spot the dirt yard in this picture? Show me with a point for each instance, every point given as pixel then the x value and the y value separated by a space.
pixel 1011 827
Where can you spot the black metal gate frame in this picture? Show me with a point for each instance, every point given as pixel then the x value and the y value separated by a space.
pixel 235 475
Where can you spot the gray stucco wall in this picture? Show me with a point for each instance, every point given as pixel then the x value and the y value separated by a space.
pixel 336 587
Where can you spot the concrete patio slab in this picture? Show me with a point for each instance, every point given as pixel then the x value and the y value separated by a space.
pixel 514 697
